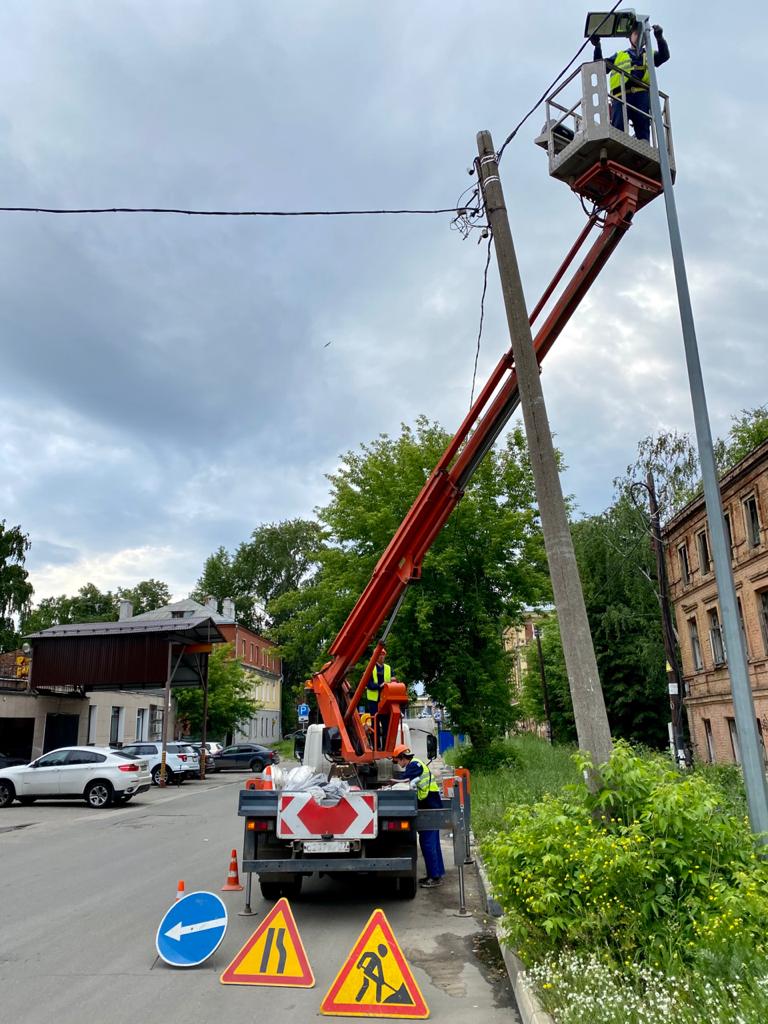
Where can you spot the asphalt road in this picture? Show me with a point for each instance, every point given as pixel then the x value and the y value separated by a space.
pixel 82 893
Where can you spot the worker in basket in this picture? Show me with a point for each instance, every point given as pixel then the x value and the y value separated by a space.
pixel 631 66
pixel 428 795
pixel 382 673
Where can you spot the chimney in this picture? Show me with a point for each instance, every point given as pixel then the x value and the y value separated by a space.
pixel 212 605
pixel 228 608
pixel 126 610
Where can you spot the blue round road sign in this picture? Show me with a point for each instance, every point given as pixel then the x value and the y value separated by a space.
pixel 192 929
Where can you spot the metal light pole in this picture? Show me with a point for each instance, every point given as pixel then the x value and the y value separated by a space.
pixel 544 687
pixel 743 704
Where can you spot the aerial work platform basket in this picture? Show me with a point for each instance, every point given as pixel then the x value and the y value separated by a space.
pixel 580 139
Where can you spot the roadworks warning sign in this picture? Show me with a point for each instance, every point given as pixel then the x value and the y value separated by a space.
pixel 375 980
pixel 274 954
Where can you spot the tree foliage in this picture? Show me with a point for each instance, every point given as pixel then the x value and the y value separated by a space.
pixel 90 604
pixel 482 569
pixel 748 429
pixel 278 558
pixel 15 588
pixel 618 576
pixel 146 596
pixel 230 696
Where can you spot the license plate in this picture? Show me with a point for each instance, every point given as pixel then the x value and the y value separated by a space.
pixel 327 846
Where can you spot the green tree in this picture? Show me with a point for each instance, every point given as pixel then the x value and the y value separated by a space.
pixel 89 605
pixel 748 429
pixel 482 569
pixel 217 580
pixel 15 588
pixel 230 696
pixel 278 558
pixel 146 596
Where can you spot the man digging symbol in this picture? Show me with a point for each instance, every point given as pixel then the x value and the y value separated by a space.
pixel 373 971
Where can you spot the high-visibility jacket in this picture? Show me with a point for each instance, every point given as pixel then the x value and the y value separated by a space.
pixel 633 82
pixel 425 783
pixel 376 681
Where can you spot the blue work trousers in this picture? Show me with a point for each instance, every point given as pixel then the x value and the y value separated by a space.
pixel 638 111
pixel 430 841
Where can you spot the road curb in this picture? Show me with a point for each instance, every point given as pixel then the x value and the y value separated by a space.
pixel 531 1010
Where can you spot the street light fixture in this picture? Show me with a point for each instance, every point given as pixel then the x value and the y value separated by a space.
pixel 607 23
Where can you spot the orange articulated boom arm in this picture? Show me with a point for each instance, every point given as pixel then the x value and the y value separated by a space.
pixel 491 411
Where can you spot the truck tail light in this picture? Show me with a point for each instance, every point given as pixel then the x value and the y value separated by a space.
pixel 128 767
pixel 396 826
pixel 258 825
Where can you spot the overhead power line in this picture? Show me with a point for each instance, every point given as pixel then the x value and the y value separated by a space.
pixel 225 213
pixel 551 86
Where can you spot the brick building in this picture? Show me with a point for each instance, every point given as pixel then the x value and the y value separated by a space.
pixel 693 591
pixel 517 640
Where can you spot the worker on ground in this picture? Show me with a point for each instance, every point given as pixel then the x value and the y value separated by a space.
pixel 631 66
pixel 382 673
pixel 428 795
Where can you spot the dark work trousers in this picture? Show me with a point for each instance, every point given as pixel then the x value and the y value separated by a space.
pixel 430 841
pixel 380 723
pixel 638 112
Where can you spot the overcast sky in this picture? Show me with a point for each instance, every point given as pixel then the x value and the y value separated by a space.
pixel 168 382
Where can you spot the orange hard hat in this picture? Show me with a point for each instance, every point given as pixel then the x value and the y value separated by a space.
pixel 401 750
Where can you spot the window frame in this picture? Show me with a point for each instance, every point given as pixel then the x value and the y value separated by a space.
pixel 716 630
pixel 695 641
pixel 748 523
pixel 702 549
pixel 684 563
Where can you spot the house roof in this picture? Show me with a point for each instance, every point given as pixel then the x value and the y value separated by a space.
pixel 189 609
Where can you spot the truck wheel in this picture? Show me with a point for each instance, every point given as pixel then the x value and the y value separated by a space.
pixel 7 793
pixel 406 887
pixel 271 890
pixel 98 794
pixel 292 887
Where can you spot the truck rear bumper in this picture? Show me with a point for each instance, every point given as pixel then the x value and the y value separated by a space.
pixel 328 864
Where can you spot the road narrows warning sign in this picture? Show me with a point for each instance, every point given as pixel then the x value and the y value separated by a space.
pixel 375 980
pixel 274 954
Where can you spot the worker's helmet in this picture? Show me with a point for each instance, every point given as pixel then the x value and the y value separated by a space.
pixel 401 751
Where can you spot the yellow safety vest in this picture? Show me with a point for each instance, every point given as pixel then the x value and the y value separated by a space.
pixel 426 782
pixel 633 83
pixel 370 693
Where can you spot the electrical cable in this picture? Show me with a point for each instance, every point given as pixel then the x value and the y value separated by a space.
pixel 225 213
pixel 549 88
pixel 482 317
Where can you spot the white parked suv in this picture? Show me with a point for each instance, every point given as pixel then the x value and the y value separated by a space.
pixel 97 774
pixel 181 760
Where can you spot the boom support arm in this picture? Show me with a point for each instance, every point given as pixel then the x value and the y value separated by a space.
pixel 491 411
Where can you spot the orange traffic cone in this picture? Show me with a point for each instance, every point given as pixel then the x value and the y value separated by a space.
pixel 232 883
pixel 180 892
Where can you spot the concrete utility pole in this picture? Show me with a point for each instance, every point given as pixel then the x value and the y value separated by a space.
pixel 592 727
pixel 743 702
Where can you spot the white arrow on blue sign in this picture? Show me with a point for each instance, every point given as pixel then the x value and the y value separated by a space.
pixel 192 930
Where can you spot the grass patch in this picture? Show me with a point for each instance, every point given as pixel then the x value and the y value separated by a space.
pixel 284 748
pixel 531 768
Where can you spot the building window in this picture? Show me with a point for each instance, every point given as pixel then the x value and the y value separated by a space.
pixel 116 725
pixel 741 623
pixel 762 607
pixel 693 632
pixel 716 637
pixel 141 718
pixel 752 521
pixel 728 530
pixel 242 649
pixel 708 740
pixel 762 741
pixel 702 543
pixel 685 572
pixel 92 713
pixel 734 740
pixel 252 646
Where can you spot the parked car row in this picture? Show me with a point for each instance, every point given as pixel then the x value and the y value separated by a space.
pixel 103 776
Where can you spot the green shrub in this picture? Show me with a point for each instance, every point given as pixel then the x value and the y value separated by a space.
pixel 498 754
pixel 653 867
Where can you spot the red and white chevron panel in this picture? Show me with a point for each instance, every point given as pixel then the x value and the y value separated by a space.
pixel 299 816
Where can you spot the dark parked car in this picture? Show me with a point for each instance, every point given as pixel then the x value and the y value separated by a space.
pixel 210 763
pixel 10 762
pixel 245 756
